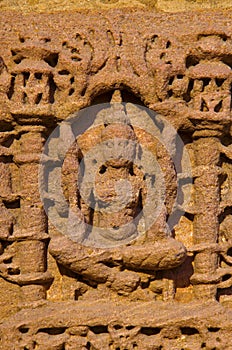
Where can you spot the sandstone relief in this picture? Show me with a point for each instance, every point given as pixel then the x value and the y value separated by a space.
pixel 126 241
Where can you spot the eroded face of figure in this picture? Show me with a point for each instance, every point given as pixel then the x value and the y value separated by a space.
pixel 118 145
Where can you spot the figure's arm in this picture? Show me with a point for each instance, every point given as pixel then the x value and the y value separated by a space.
pixel 70 185
pixel 70 175
pixel 154 209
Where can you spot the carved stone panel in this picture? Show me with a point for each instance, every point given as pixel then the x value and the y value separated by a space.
pixel 116 175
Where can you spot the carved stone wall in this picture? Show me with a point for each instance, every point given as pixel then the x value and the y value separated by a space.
pixel 165 289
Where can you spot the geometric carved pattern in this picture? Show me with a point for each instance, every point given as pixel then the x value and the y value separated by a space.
pixel 54 65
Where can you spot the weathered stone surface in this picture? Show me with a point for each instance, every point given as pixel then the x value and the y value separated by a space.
pixel 157 5
pixel 166 286
pixel 191 326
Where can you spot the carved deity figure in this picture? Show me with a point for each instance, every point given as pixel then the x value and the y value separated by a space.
pixel 113 206
pixel 113 218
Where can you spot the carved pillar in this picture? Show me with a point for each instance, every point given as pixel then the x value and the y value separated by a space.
pixel 206 225
pixel 32 238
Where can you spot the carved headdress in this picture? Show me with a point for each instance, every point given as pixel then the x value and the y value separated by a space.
pixel 116 120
